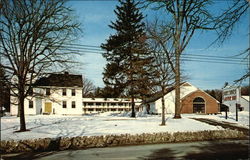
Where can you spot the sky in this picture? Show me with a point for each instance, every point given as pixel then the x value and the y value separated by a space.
pixel 95 17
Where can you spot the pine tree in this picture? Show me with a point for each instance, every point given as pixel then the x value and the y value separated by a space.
pixel 128 69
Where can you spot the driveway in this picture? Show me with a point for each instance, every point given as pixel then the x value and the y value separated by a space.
pixel 223 124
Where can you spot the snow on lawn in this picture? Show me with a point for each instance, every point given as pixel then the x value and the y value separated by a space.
pixel 243 118
pixel 42 126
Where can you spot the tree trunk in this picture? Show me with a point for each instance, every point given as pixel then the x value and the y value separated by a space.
pixel 132 85
pixel 133 105
pixel 177 87
pixel 163 121
pixel 18 110
pixel 21 109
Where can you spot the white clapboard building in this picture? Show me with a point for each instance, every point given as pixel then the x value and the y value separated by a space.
pixel 53 94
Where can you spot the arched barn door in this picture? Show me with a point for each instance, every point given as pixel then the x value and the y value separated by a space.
pixel 199 105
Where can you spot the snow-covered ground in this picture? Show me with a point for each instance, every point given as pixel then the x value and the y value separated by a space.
pixel 42 126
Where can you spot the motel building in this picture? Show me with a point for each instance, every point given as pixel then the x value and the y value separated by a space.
pixel 99 105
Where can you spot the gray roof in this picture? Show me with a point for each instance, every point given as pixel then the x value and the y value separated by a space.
pixel 60 80
pixel 158 95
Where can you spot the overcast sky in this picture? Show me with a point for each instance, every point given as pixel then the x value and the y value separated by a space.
pixel 95 17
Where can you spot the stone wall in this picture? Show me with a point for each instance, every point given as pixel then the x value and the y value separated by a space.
pixel 64 143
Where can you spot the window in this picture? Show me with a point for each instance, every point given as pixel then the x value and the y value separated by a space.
pixel 73 105
pixel 30 104
pixel 90 109
pixel 90 104
pixel 98 109
pixel 120 109
pixel 120 104
pixel 47 90
pixel 64 104
pixel 73 92
pixel 113 109
pixel 64 91
pixel 113 104
pixel 98 104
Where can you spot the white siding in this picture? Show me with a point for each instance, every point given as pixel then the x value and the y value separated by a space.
pixel 156 107
pixel 244 103
pixel 55 98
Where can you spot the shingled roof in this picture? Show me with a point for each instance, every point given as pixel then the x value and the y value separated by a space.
pixel 60 80
pixel 158 95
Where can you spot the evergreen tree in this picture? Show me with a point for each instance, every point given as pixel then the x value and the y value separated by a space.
pixel 128 68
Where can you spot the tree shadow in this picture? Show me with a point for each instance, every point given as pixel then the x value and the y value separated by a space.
pixel 161 154
pixel 211 151
pixel 51 149
pixel 27 155
pixel 220 151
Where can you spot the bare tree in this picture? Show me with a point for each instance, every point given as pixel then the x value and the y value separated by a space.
pixel 32 34
pixel 88 87
pixel 158 40
pixel 225 25
pixel 184 18
pixel 226 21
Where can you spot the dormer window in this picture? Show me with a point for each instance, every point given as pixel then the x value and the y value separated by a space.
pixel 73 92
pixel 47 90
pixel 64 91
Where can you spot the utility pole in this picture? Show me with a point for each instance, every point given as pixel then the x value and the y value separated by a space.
pixel 237 107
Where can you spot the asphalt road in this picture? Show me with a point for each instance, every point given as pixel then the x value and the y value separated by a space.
pixel 208 150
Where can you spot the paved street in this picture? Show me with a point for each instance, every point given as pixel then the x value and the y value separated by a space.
pixel 222 150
